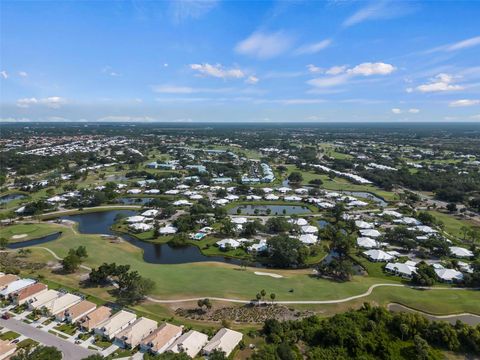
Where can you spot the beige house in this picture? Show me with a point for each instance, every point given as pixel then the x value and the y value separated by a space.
pixel 136 332
pixel 224 340
pixel 61 303
pixel 75 312
pixel 96 317
pixel 160 339
pixel 6 349
pixel 190 343
pixel 38 301
pixel 116 323
pixel 23 296
pixel 7 279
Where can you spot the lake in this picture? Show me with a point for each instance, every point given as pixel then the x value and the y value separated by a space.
pixel 379 201
pixel 34 242
pixel 10 197
pixel 100 223
pixel 274 209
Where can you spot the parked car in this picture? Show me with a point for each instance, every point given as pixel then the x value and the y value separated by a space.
pixel 6 316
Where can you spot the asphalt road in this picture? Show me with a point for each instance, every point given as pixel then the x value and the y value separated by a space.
pixel 70 351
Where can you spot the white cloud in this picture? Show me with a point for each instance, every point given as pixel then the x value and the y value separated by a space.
pixel 53 102
pixel 464 102
pixel 329 81
pixel 191 9
pixel 264 45
pixel 109 71
pixel 441 82
pixel 23 74
pixel 218 71
pixel 460 45
pixel 475 117
pixel 335 70
pixel 368 69
pixel 314 69
pixel 313 48
pixel 4 74
pixel 341 74
pixel 378 10
pixel 174 89
pixel 400 111
pixel 252 80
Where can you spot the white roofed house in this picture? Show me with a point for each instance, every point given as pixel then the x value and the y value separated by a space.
pixel 61 303
pixel 308 239
pixel 141 227
pixel 367 243
pixel 378 255
pixel 363 225
pixel 460 252
pixel 38 301
pixel 405 270
pixel 136 332
pixel 16 286
pixel 150 213
pixel 224 340
pixel 167 230
pixel 116 323
pixel 228 243
pixel 189 343
pixel 370 233
pixel 308 229
pixel 449 275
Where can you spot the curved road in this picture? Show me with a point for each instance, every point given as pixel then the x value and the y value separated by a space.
pixel 467 318
pixel 306 302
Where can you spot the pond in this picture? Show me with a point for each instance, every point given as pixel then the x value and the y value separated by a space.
pixel 378 200
pixel 322 224
pixel 34 242
pixel 274 209
pixel 10 197
pixel 100 223
pixel 134 200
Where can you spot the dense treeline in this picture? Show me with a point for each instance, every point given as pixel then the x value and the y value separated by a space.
pixel 368 333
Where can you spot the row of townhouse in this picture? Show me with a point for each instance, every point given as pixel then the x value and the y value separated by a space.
pixel 122 327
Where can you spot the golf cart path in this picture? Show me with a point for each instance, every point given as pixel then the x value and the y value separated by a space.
pixel 306 302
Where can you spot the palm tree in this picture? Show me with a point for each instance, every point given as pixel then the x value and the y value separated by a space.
pixel 263 293
pixel 258 296
pixel 272 297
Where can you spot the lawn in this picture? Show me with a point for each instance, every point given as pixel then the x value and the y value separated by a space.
pixel 9 335
pixel 32 231
pixel 452 224
pixel 27 343
pixel 69 329
pixel 338 184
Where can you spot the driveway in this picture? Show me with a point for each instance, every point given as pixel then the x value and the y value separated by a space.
pixel 70 351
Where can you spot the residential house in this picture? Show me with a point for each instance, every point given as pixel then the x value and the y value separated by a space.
pixel 190 343
pixel 6 349
pixel 161 338
pixel 15 286
pixel 76 312
pixel 38 301
pixel 96 317
pixel 24 295
pixel 61 303
pixel 7 279
pixel 136 332
pixel 116 323
pixel 224 340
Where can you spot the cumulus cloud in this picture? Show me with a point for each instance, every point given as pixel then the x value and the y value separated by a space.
pixel 4 74
pixel 464 102
pixel 313 48
pixel 23 74
pixel 441 82
pixel 53 102
pixel 218 71
pixel 337 75
pixel 413 111
pixel 396 111
pixel 264 45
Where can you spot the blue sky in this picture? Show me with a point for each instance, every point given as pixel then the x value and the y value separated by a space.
pixel 240 61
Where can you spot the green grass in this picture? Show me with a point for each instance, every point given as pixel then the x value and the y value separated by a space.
pixel 213 279
pixel 9 335
pixel 32 231
pixel 102 343
pixel 453 225
pixel 27 343
pixel 69 329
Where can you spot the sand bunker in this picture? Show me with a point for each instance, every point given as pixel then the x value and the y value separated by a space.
pixel 276 276
pixel 20 236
